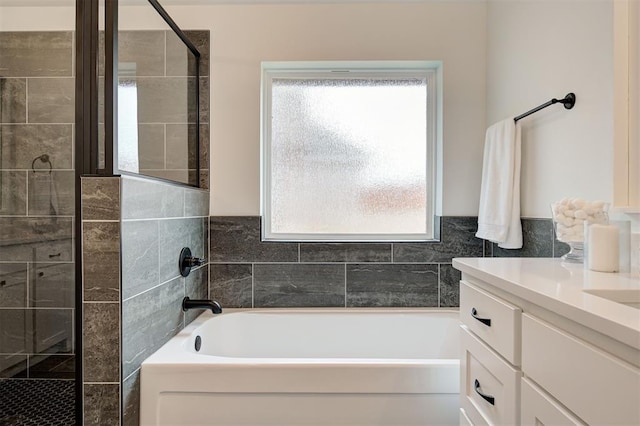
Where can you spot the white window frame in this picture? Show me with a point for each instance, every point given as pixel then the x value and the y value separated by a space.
pixel 432 70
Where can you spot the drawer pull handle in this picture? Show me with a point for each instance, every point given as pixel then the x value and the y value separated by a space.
pixel 491 400
pixel 485 321
pixel 54 255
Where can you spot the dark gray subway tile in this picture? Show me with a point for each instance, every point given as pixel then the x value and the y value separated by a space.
pixel 131 400
pixel 52 285
pixel 51 100
pixel 52 366
pixel 537 240
pixel 144 50
pixel 36 53
pixel 298 285
pixel 162 100
pixel 100 198
pixel 345 252
pixel 174 235
pixel 449 286
pixel 140 260
pixel 51 193
pixel 231 285
pixel 184 176
pixel 101 261
pixel 146 199
pixel 457 240
pixel 238 239
pixel 149 321
pixel 151 146
pixel 101 340
pixel 52 331
pixel 196 203
pixel 196 287
pixel 13 193
pixel 13 285
pixel 21 143
pixel 101 404
pixel 14 366
pixel 13 100
pixel 204 179
pixel 43 239
pixel 205 237
pixel 181 146
pixel 204 146
pixel 178 62
pixel 16 323
pixel 204 101
pixel 379 285
pixel 488 248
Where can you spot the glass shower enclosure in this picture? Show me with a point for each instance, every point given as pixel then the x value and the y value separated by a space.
pixel 37 213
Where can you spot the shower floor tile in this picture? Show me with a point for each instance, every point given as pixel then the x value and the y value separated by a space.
pixel 28 402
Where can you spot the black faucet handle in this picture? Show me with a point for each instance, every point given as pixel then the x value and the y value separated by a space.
pixel 195 261
pixel 186 261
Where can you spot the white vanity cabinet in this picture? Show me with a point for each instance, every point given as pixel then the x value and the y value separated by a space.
pixel 490 343
pixel 528 360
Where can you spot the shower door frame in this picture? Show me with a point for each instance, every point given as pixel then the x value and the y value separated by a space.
pixel 86 155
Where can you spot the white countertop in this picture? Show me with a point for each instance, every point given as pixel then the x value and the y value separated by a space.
pixel 560 287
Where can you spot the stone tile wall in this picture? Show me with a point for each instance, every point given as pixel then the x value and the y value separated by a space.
pixel 101 236
pixel 133 231
pixel 245 272
pixel 158 220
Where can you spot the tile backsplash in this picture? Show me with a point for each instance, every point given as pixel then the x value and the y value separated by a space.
pixel 246 272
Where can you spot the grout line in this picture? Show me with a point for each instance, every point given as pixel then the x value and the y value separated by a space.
pixel 345 285
pixel 129 376
pixel 100 383
pixel 253 303
pixel 439 285
pixel 26 101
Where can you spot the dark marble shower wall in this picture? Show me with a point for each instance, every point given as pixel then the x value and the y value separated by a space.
pixel 36 207
pixel 245 272
pixel 133 231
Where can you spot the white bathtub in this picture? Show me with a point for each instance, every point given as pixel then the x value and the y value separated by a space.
pixel 292 367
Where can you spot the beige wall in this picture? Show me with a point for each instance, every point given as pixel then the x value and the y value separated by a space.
pixel 244 35
pixel 538 50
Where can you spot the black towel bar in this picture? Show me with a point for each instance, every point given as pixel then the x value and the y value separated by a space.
pixel 568 101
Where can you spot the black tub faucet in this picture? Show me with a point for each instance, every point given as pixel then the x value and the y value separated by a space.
pixel 201 304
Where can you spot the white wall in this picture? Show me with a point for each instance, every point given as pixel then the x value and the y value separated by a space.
pixel 244 35
pixel 538 50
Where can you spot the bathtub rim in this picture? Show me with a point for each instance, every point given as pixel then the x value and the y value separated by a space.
pixel 165 355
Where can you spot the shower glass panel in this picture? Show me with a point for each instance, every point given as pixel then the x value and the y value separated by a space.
pixel 37 208
pixel 157 98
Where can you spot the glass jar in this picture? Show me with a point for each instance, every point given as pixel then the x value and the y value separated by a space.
pixel 569 216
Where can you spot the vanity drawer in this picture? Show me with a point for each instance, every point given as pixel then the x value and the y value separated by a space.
pixel 494 320
pixel 538 408
pixel 594 385
pixel 490 387
pixel 464 419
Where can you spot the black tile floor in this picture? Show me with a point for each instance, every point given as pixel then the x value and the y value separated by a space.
pixel 29 402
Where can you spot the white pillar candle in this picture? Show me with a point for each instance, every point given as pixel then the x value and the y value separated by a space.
pixel 603 249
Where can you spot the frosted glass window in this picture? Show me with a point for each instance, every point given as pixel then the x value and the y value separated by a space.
pixel 347 156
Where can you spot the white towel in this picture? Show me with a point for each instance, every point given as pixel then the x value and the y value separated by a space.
pixel 499 214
